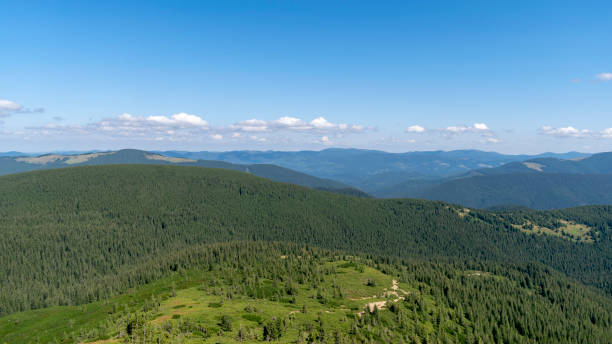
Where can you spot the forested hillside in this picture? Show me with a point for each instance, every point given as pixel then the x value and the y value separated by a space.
pixel 67 233
pixel 533 190
pixel 260 292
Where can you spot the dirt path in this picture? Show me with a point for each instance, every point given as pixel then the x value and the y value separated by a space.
pixel 395 290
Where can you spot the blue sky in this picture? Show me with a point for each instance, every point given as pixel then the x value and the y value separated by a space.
pixel 514 77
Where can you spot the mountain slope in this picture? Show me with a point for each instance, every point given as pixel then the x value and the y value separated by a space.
pixel 600 163
pixel 543 183
pixel 71 235
pixel 132 156
pixel 533 190
pixel 258 292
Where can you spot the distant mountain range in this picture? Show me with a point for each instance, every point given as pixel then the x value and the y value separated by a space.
pixel 372 170
pixel 542 183
pixel 14 162
pixel 468 177
pixel 600 163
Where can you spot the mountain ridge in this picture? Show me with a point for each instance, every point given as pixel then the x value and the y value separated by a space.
pixel 16 164
pixel 542 183
pixel 370 170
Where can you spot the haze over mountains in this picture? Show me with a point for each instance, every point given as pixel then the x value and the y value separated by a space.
pixel 541 183
pixel 467 177
pixel 370 170
pixel 15 162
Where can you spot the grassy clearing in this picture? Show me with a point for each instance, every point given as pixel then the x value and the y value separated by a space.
pixel 359 285
pixel 568 230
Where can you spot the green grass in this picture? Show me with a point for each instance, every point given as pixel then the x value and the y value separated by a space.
pixel 568 230
pixel 53 323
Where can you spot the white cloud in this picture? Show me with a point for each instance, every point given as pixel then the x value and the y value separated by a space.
pixel 290 123
pixel 319 124
pixel 177 120
pixel 565 132
pixel 126 117
pixel 186 127
pixel 8 107
pixel 477 129
pixel 180 126
pixel 415 129
pixel 571 132
pixel 480 128
pixel 604 76
pixel 127 124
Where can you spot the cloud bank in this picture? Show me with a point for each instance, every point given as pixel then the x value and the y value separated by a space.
pixel 571 132
pixel 319 124
pixel 189 127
